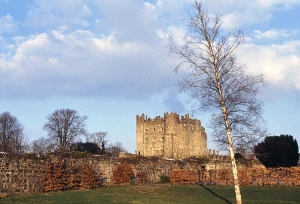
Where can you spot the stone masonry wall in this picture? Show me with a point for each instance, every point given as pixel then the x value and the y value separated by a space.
pixel 20 176
pixel 24 175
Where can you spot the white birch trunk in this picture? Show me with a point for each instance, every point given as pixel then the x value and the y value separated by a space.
pixel 234 167
pixel 238 195
pixel 229 137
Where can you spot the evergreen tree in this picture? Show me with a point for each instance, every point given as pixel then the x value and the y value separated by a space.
pixel 278 151
pixel 88 147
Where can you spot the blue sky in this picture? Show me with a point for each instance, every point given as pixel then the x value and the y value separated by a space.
pixel 108 60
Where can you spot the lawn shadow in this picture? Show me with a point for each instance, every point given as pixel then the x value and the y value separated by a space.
pixel 227 201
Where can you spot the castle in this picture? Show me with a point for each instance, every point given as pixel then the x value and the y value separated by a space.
pixel 172 136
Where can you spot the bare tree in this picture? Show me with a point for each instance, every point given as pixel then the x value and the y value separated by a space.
pixel 65 126
pixel 41 146
pixel 99 138
pixel 115 149
pixel 12 137
pixel 213 78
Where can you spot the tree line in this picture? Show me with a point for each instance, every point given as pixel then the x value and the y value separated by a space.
pixel 66 129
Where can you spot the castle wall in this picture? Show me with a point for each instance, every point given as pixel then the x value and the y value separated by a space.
pixel 24 175
pixel 172 136
pixel 21 176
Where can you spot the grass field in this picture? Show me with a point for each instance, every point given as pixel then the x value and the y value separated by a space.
pixel 162 193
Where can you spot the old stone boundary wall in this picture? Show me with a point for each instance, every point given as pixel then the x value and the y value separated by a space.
pixel 23 175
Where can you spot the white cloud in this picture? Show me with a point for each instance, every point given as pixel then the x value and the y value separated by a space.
pixel 148 5
pixel 58 13
pixel 237 18
pixel 7 24
pixel 53 60
pixel 273 34
pixel 177 33
pixel 237 13
pixel 271 3
pixel 90 50
pixel 135 21
pixel 279 63
pixel 120 55
pixel 81 64
pixel 86 10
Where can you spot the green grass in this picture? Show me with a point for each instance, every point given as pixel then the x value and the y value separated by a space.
pixel 161 193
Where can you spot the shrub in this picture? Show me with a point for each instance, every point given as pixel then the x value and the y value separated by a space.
pixel 123 173
pixel 60 176
pixel 238 156
pixel 184 176
pixel 164 178
pixel 88 147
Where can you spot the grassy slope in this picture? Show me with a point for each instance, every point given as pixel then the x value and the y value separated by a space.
pixel 159 193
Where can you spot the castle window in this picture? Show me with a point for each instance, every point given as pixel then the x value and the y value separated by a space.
pixel 146 139
pixel 153 129
pixel 146 130
pixel 162 128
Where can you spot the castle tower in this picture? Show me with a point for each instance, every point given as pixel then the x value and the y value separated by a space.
pixel 172 136
pixel 140 134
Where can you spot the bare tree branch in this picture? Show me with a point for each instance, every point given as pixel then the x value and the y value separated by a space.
pixel 65 126
pixel 99 138
pixel 12 137
pixel 41 146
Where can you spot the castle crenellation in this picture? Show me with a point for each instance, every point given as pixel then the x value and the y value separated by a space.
pixel 213 152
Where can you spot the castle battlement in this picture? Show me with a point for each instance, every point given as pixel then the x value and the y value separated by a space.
pixel 172 136
pixel 169 117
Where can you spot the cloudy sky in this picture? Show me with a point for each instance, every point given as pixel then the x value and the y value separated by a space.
pixel 108 60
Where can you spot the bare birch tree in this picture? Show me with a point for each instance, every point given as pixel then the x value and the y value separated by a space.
pixel 64 127
pixel 210 74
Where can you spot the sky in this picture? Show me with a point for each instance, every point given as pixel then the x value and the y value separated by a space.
pixel 107 59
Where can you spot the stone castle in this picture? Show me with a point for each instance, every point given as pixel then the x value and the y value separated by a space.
pixel 172 136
